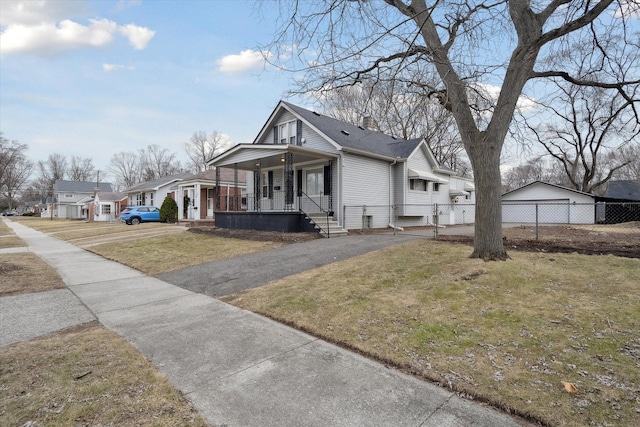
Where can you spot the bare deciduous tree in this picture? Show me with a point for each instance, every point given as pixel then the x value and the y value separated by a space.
pixel 534 169
pixel 15 168
pixel 586 125
pixel 202 148
pixel 157 162
pixel 125 167
pixel 471 45
pixel 631 171
pixel 397 108
pixel 81 169
pixel 50 171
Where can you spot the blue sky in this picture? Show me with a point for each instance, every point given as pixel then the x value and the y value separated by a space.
pixel 93 78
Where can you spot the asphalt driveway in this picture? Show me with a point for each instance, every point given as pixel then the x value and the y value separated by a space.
pixel 225 277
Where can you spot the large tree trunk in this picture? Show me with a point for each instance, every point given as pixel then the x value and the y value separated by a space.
pixel 485 159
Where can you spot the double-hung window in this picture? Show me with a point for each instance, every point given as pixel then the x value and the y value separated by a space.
pixel 287 133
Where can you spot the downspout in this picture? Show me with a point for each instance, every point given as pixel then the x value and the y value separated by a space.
pixel 391 223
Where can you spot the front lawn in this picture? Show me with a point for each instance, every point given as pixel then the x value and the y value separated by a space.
pixel 511 333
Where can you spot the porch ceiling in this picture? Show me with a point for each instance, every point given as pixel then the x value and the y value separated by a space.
pixel 247 156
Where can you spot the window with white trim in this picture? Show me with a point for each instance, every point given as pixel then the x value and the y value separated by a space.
pixel 436 187
pixel 287 133
pixel 106 209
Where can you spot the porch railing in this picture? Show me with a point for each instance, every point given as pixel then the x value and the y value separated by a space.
pixel 276 202
pixel 313 205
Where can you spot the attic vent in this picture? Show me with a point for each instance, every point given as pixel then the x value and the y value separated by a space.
pixel 361 127
pixel 316 113
pixel 344 132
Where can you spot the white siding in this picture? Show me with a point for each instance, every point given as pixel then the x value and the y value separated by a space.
pixel 311 138
pixel 554 206
pixel 366 182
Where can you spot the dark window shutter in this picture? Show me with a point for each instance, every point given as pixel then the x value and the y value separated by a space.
pixel 275 134
pixel 270 178
pixel 299 185
pixel 299 132
pixel 327 179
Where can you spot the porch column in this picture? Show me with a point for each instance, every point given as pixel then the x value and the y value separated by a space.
pixel 288 181
pixel 180 202
pixel 197 203
pixel 257 187
pixel 236 204
pixel 216 206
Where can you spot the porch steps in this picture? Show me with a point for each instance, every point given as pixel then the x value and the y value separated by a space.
pixel 319 220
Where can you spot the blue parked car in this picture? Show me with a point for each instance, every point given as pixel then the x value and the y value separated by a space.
pixel 137 214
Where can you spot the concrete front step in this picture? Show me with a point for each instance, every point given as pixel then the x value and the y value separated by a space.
pixel 320 222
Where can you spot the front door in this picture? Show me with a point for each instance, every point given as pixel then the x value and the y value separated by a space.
pixel 210 192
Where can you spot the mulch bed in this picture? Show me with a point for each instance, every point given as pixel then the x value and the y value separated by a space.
pixel 565 239
pixel 257 236
pixel 552 239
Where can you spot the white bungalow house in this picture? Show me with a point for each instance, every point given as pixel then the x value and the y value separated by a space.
pixel 198 194
pixel 305 169
pixel 153 193
pixel 72 199
pixel 107 206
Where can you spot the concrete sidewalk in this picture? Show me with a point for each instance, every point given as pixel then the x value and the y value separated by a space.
pixel 238 368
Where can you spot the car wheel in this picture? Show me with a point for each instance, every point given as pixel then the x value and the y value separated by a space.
pixel 135 221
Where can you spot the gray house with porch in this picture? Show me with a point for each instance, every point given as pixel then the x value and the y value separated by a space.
pixel 305 170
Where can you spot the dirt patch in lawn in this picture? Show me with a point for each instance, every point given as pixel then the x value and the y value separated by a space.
pixel 87 376
pixel 619 239
pixel 23 273
pixel 257 236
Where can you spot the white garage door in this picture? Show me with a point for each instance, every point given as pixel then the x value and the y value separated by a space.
pixel 524 212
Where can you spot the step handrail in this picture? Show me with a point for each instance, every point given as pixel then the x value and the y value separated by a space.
pixel 302 194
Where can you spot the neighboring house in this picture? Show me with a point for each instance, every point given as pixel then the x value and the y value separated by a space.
pixel 107 206
pixel 72 199
pixel 198 194
pixel 624 190
pixel 306 165
pixel 153 193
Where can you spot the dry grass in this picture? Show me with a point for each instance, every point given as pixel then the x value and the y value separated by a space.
pixel 11 242
pixel 86 376
pixel 24 273
pixel 8 239
pixel 505 332
pixel 84 233
pixel 170 252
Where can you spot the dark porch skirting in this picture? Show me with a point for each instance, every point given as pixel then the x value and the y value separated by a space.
pixel 286 222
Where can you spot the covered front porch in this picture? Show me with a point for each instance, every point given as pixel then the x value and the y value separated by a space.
pixel 286 186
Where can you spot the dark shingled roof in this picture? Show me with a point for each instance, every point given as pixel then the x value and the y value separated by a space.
pixel 150 185
pixel 627 190
pixel 357 137
pixel 81 186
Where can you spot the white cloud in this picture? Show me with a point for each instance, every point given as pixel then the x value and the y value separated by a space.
pixel 114 67
pixel 16 12
pixel 39 27
pixel 48 38
pixel 139 37
pixel 245 61
pixel 485 97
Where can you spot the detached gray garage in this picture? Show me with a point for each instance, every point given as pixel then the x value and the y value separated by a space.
pixel 549 203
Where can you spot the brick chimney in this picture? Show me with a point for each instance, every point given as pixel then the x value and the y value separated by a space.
pixel 367 122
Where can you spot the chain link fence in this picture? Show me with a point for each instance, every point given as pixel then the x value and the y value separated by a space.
pixel 455 218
